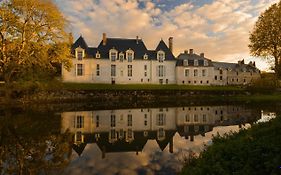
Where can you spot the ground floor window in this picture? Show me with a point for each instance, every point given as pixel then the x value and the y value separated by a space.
pixel 80 69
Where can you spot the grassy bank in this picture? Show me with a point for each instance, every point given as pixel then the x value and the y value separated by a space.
pixel 89 86
pixel 253 151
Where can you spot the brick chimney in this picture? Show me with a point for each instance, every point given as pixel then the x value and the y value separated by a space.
pixel 190 51
pixel 137 39
pixel 202 55
pixel 104 39
pixel 171 44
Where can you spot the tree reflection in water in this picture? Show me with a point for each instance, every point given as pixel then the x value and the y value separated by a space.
pixel 31 143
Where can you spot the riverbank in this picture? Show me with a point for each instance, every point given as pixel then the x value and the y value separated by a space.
pixel 135 94
pixel 253 151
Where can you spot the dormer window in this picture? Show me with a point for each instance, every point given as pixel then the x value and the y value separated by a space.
pixel 79 53
pixel 185 62
pixel 195 62
pixel 205 63
pixel 145 57
pixel 113 54
pixel 130 55
pixel 161 56
pixel 121 57
pixel 97 54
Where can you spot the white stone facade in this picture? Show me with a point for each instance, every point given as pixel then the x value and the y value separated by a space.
pixel 127 61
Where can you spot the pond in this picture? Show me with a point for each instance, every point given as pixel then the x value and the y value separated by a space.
pixel 83 139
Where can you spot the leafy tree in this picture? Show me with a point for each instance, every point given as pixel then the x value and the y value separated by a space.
pixel 265 39
pixel 32 37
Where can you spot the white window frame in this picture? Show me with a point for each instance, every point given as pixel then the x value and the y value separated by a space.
pixel 145 56
pixel 185 62
pixel 78 68
pixel 161 71
pixel 129 53
pixel 77 51
pixel 111 53
pixel 130 70
pixel 97 54
pixel 186 72
pixel 121 57
pixel 113 70
pixel 98 70
pixel 195 62
pixel 161 56
pixel 204 72
pixel 206 63
pixel 195 72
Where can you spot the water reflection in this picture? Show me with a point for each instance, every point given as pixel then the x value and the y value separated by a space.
pixel 140 141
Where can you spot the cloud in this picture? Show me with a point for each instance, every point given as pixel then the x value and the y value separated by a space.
pixel 219 28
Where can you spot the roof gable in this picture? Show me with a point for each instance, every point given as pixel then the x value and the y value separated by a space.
pixel 162 46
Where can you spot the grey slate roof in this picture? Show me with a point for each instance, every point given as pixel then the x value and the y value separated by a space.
pixel 122 45
pixel 80 42
pixel 235 67
pixel 191 58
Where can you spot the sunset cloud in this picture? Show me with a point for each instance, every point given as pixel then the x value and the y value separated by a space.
pixel 219 28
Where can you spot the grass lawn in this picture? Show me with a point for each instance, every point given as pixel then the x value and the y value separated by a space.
pixel 88 86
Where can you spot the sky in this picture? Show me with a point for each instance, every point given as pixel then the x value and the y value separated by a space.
pixel 218 28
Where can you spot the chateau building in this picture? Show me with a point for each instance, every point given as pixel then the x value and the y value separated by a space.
pixel 129 129
pixel 128 61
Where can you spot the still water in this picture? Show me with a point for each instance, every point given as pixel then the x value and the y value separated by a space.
pixel 156 140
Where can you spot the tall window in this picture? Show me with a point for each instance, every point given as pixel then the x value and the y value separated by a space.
pixel 160 119
pixel 130 120
pixel 195 118
pixel 204 72
pixel 161 56
pixel 130 70
pixel 112 121
pixel 145 70
pixel 97 121
pixel 98 70
pixel 113 70
pixel 79 121
pixel 130 56
pixel 79 69
pixel 186 72
pixel 187 118
pixel 113 55
pixel 195 72
pixel 121 57
pixel 160 71
pixel 80 55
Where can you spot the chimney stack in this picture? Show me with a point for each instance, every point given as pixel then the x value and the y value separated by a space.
pixel 104 39
pixel 185 51
pixel 190 51
pixel 137 39
pixel 254 64
pixel 202 55
pixel 171 44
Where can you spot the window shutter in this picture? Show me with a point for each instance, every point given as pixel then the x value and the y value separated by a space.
pixel 83 69
pixel 164 71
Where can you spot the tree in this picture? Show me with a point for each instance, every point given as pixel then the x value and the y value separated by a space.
pixel 265 39
pixel 32 37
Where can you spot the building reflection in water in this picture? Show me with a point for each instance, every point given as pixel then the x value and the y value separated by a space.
pixel 128 130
